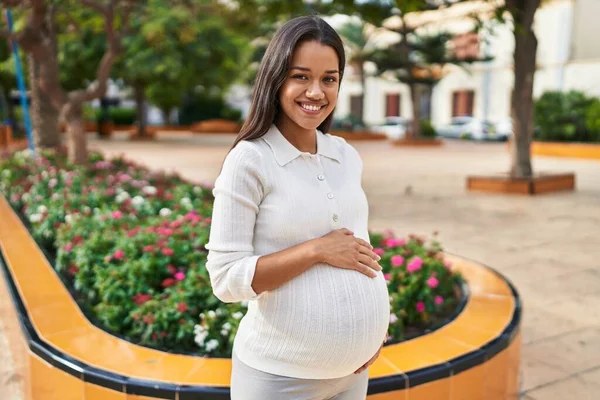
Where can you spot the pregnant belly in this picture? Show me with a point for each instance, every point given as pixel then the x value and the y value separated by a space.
pixel 325 318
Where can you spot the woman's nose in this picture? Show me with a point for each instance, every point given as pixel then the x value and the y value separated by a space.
pixel 315 92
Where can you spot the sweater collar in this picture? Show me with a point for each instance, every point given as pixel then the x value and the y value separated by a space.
pixel 285 152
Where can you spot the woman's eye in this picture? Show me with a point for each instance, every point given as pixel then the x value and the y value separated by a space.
pixel 330 79
pixel 301 77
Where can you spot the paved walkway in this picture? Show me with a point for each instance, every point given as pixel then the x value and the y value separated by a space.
pixel 549 245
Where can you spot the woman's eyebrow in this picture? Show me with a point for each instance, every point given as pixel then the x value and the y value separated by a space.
pixel 331 71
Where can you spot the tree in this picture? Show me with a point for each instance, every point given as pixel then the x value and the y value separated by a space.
pixel 418 58
pixel 356 37
pixel 178 48
pixel 44 115
pixel 113 15
pixel 523 13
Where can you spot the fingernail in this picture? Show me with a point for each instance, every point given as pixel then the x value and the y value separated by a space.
pixel 378 257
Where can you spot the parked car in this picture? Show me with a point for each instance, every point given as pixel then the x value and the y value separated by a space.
pixel 470 128
pixel 504 129
pixel 394 127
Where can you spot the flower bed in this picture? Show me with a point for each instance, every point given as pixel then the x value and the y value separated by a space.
pixel 129 244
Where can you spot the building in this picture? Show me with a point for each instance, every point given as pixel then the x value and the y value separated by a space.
pixel 568 58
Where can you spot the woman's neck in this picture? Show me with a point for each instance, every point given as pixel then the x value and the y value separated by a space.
pixel 304 140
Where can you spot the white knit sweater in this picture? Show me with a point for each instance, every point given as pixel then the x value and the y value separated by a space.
pixel 328 321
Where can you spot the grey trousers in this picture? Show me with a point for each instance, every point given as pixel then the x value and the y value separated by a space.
pixel 248 383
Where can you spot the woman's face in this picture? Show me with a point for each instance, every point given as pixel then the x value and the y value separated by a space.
pixel 310 91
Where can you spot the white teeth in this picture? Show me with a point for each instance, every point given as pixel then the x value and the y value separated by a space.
pixel 311 107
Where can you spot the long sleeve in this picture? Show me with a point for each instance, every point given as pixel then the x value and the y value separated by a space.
pixel 238 192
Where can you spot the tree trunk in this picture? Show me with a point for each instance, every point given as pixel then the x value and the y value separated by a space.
pixel 140 102
pixel 44 116
pixel 523 13
pixel 76 131
pixel 363 87
pixel 166 115
pixel 415 97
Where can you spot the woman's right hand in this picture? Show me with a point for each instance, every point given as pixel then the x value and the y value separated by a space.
pixel 340 248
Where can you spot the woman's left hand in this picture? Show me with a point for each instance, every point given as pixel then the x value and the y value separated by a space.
pixel 371 361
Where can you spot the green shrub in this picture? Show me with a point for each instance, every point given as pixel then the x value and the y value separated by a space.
pixel 427 129
pixel 565 117
pixel 199 107
pixel 349 123
pixel 122 116
pixel 592 120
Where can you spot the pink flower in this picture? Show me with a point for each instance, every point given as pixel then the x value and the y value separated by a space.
pixel 182 307
pixel 119 255
pixel 432 282
pixel 141 298
pixel 148 249
pixel 180 276
pixel 395 242
pixel 387 277
pixel 397 261
pixel 414 265
pixel 110 192
pixel 165 231
pixel 176 224
pixel 117 214
pixel 439 300
pixel 168 282
pixel 420 306
pixel 167 251
pixel 447 264
pixel 172 269
pixel 53 182
pixel 379 251
pixel 68 247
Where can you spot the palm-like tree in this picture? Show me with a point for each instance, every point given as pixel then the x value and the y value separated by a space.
pixel 357 40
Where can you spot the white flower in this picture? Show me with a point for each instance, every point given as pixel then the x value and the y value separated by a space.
pixel 45 174
pixel 149 190
pixel 86 209
pixel 244 303
pixel 200 338
pixel 238 315
pixel 35 217
pixel 186 201
pixel 227 326
pixel 27 153
pixel 224 332
pixel 164 212
pixel 69 219
pixel 211 345
pixel 201 315
pixel 42 209
pixel 197 189
pixel 122 196
pixel 137 201
pixel 6 173
pixel 219 312
pixel 211 314
pixel 393 318
pixel 25 197
pixel 55 196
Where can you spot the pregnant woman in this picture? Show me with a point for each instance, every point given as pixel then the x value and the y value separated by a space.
pixel 289 233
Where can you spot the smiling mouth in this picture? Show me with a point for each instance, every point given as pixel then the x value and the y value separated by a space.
pixel 311 107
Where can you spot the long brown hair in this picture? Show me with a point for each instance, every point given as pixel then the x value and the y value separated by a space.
pixel 273 70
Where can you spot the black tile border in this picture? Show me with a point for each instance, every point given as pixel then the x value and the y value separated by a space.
pixel 121 383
